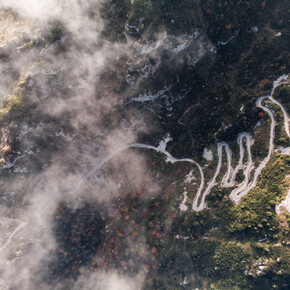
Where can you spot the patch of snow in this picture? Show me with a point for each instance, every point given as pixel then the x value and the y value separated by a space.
pixel 183 206
pixel 149 97
pixel 8 196
pixel 181 47
pixel 20 170
pixel 207 154
pixel 135 27
pixel 263 239
pixel 52 72
pixel 8 165
pixel 285 204
pixel 184 282
pixel 185 42
pixel 163 143
pixel 255 29
pixel 131 80
pixel 225 127
pixel 257 125
pixel 65 137
pixel 189 177
pixel 285 151
pixel 181 237
pixel 148 69
pixel 236 33
pixel 148 48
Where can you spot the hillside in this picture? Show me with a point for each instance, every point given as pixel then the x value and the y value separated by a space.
pixel 144 144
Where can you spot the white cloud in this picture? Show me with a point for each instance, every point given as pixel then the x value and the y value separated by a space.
pixel 111 280
pixel 34 8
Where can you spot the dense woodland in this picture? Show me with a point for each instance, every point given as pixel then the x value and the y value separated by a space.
pixel 225 246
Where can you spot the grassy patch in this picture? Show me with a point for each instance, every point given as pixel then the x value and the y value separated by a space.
pixel 255 214
pixel 12 106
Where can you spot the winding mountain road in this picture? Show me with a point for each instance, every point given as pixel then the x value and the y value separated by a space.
pixel 241 191
pixel 228 179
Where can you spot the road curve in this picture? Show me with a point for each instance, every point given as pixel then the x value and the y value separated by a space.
pixel 161 149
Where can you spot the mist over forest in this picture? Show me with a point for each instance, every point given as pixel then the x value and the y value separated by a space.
pixel 144 144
